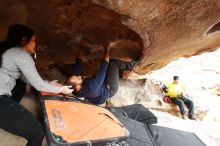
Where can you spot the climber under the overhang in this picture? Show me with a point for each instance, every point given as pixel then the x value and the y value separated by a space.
pixel 105 83
pixel 176 93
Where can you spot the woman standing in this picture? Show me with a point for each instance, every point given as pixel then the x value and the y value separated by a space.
pixel 16 63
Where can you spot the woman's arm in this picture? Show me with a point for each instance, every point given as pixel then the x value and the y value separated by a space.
pixel 22 77
pixel 27 66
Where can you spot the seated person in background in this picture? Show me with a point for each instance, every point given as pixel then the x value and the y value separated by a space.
pixel 175 91
pixel 105 83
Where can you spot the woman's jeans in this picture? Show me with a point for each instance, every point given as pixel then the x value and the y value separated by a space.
pixel 181 103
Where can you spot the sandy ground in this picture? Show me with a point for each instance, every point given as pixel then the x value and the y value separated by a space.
pixel 8 139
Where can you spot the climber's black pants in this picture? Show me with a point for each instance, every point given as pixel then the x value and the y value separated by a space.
pixel 16 119
pixel 112 75
pixel 181 103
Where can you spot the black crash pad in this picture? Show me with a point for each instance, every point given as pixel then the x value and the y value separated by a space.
pixel 136 112
pixel 171 137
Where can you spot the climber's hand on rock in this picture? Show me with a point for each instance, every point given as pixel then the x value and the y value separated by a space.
pixel 106 54
pixel 107 46
pixel 66 89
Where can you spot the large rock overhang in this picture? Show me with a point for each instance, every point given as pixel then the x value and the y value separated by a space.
pixel 156 31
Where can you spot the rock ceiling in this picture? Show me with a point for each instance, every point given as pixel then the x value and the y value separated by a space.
pixel 156 31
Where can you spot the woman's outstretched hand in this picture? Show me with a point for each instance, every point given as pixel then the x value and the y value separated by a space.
pixel 66 89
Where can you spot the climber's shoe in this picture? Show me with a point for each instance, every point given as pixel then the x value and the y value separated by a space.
pixel 192 117
pixel 134 63
pixel 184 116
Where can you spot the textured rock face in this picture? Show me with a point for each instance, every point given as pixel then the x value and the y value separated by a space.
pixel 157 30
pixel 169 28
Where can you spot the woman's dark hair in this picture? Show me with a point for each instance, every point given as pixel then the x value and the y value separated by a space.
pixel 18 35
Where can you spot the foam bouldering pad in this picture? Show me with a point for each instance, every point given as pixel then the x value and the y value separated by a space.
pixel 74 123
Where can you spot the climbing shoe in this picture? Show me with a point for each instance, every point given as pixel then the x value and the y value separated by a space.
pixel 191 117
pixel 134 62
pixel 184 116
